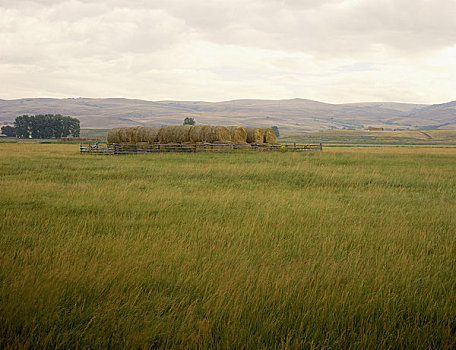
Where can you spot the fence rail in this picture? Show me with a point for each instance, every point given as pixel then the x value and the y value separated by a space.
pixel 121 148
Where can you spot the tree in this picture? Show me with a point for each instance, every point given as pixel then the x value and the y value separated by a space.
pixel 276 131
pixel 9 131
pixel 43 126
pixel 22 126
pixel 189 121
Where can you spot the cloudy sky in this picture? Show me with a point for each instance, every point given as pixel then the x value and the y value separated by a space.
pixel 328 50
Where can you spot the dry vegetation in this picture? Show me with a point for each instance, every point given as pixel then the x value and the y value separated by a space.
pixel 191 134
pixel 360 137
pixel 344 248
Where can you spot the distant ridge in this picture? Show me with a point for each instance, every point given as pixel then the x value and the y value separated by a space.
pixel 302 114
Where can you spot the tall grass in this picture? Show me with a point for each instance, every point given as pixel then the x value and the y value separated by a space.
pixel 334 249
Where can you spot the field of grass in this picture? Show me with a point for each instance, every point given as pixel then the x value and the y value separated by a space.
pixel 99 133
pixel 361 137
pixel 92 133
pixel 349 247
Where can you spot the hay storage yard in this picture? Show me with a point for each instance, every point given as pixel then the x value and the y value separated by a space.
pixel 181 134
pixel 186 138
pixel 347 247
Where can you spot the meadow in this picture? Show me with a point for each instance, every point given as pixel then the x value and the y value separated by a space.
pixel 377 138
pixel 345 248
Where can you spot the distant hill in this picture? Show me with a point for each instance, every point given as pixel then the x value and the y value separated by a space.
pixel 305 115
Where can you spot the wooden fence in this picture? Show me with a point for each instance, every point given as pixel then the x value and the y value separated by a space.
pixel 121 148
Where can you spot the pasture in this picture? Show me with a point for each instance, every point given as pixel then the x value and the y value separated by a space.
pixel 349 247
pixel 378 138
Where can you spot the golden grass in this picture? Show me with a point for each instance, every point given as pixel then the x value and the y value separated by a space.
pixel 342 248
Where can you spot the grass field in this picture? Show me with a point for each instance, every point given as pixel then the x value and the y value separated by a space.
pixel 379 138
pixel 100 133
pixel 349 247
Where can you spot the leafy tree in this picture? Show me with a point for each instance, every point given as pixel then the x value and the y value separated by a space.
pixel 9 131
pixel 276 131
pixel 22 126
pixel 43 126
pixel 189 121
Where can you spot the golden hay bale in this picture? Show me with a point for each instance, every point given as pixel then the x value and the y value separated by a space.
pixel 128 135
pixel 165 134
pixel 194 134
pixel 144 134
pixel 182 133
pixel 254 135
pixel 150 134
pixel 198 133
pixel 238 134
pixel 218 133
pixel 269 136
pixel 140 134
pixel 124 135
pixel 135 132
pixel 174 134
pixel 113 135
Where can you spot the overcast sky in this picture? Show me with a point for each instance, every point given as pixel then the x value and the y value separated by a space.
pixel 328 50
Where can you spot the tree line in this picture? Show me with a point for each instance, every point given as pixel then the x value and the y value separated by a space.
pixel 44 126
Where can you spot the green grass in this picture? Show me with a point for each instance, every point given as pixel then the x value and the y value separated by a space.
pixel 345 248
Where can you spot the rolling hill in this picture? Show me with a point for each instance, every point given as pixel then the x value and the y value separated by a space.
pixel 298 114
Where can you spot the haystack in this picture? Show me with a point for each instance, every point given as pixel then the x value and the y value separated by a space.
pixel 124 135
pixel 165 134
pixel 218 133
pixel 269 136
pixel 198 133
pixel 137 134
pixel 113 135
pixel 150 134
pixel 144 134
pixel 238 134
pixel 182 133
pixel 254 135
pixel 174 134
pixel 134 134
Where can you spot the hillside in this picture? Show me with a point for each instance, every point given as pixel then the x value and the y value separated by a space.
pixel 301 114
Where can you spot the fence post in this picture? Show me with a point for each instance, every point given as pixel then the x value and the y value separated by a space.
pixel 321 147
